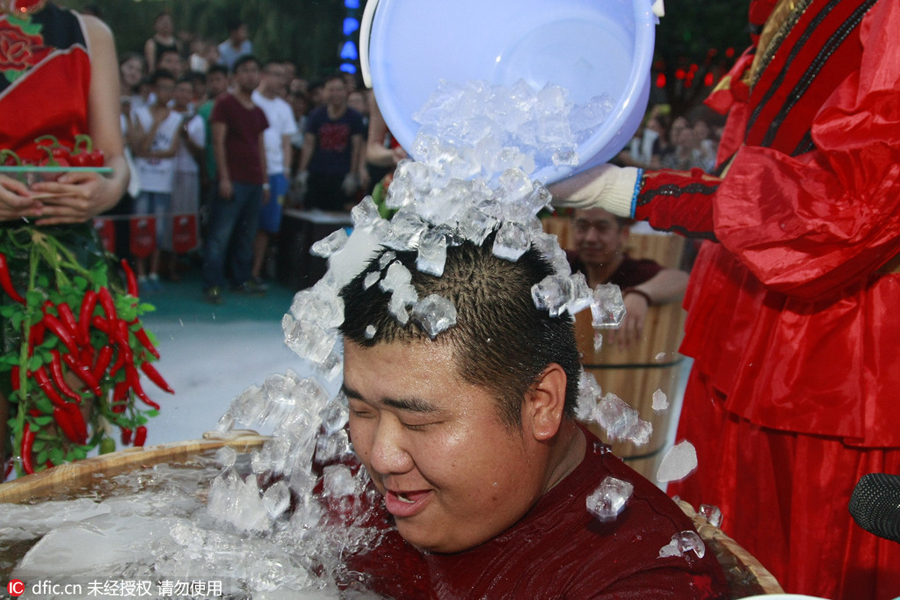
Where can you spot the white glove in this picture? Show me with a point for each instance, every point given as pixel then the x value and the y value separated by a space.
pixel 350 184
pixel 604 186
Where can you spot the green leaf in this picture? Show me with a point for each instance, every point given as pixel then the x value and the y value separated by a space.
pixel 78 453
pixel 34 298
pixel 43 420
pixel 43 282
pixel 43 404
pixel 16 320
pixel 38 445
pixel 41 457
pixel 34 363
pixel 144 307
pixel 45 355
pixel 57 456
pixel 81 284
pixel 8 310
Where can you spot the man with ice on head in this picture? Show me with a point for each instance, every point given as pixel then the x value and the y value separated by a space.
pixel 467 430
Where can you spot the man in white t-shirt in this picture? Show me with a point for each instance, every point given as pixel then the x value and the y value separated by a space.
pixel 157 134
pixel 282 126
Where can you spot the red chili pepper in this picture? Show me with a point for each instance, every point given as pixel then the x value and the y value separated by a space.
pixel 84 373
pixel 126 436
pixel 77 420
pixel 6 281
pixel 62 332
pixel 43 381
pixel 86 356
pixel 80 159
pixel 145 341
pixel 60 378
pixel 103 358
pixel 88 303
pixel 122 334
pixel 93 157
pixel 27 443
pixel 134 381
pixel 108 304
pixel 130 278
pixel 100 323
pixel 36 336
pixel 151 372
pixel 64 422
pixel 14 377
pixel 140 436
pixel 68 319
pixel 124 358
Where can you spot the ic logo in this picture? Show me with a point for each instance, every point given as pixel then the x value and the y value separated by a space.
pixel 15 588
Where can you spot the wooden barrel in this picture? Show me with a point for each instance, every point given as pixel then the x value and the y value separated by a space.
pixel 635 373
pixel 70 477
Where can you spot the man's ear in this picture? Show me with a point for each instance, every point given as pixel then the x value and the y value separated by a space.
pixel 545 403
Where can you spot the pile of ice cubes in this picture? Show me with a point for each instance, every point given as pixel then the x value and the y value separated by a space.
pixel 614 415
pixel 491 128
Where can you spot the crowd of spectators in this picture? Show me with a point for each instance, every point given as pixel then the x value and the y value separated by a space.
pixel 320 150
pixel 171 93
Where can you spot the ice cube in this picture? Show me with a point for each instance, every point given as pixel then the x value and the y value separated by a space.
pixel 588 393
pixel 515 186
pixel 660 357
pixel 330 244
pixel 616 417
pixel 678 463
pixel 404 295
pixel 371 330
pixel 712 514
pixel 406 227
pixel 639 435
pixel 371 279
pixel 365 214
pixel 682 543
pixel 566 156
pixel 660 400
pixel 397 275
pixel 551 294
pixel 432 253
pixel 307 339
pixel 434 314
pixel 607 307
pixel 580 295
pixel 511 241
pixel 338 481
pixel 276 499
pixel 385 259
pixel 598 341
pixel 608 501
pixel 475 225
pixel 226 457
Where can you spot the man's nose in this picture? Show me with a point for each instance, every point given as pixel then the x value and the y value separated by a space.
pixel 389 455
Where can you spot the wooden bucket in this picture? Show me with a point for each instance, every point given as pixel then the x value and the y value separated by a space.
pixel 746 576
pixel 654 363
pixel 70 477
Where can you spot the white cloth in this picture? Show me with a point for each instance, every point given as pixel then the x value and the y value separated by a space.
pixel 196 132
pixel 281 123
pixel 157 174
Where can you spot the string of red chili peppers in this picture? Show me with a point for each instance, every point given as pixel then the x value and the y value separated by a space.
pixel 97 369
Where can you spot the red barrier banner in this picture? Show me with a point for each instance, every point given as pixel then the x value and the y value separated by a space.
pixel 184 233
pixel 143 236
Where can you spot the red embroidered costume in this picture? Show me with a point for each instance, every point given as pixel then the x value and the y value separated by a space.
pixel 44 62
pixel 793 318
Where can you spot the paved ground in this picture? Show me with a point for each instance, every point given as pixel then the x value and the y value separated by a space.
pixel 212 353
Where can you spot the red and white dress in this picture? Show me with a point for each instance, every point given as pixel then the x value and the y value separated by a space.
pixel 793 314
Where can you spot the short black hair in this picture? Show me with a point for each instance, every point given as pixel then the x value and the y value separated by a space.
pixel 501 341
pixel 217 68
pixel 161 74
pixel 234 24
pixel 242 60
pixel 186 78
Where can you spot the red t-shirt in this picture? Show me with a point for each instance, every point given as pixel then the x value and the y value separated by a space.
pixel 242 148
pixel 559 550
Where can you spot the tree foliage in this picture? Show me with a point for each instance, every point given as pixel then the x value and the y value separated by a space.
pixel 698 33
pixel 307 32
